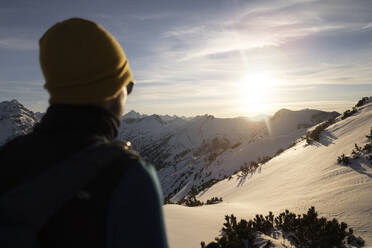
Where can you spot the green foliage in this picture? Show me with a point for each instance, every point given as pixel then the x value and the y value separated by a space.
pixel 357 148
pixel 246 169
pixel 315 134
pixel 369 137
pixel 190 202
pixel 307 230
pixel 292 144
pixel 348 113
pixel 278 152
pixel 358 152
pixel 362 101
pixel 264 159
pixel 253 165
pixel 368 147
pixel 236 145
pixel 214 200
pixel 206 185
pixel 345 160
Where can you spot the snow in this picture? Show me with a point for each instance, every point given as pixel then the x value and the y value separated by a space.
pixel 133 115
pixel 302 176
pixel 185 150
pixel 277 239
pixel 15 120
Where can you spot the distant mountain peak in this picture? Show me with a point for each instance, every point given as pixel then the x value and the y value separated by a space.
pixel 13 107
pixel 12 102
pixel 15 119
pixel 133 115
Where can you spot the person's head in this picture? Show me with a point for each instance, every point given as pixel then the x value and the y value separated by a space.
pixel 116 104
pixel 83 64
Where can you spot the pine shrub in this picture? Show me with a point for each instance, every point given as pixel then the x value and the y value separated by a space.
pixel 190 202
pixel 343 159
pixel 362 101
pixel 307 230
pixel 358 152
pixel 214 200
pixel 315 134
pixel 348 113
pixel 369 137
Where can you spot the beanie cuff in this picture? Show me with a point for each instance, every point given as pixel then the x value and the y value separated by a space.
pixel 92 92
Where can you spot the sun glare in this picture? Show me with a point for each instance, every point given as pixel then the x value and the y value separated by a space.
pixel 256 93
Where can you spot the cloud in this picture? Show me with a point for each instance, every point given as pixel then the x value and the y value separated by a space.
pixel 182 59
pixel 140 16
pixel 18 44
pixel 180 32
pixel 269 26
pixel 367 26
pixel 153 16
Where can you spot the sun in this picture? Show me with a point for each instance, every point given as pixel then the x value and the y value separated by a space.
pixel 256 92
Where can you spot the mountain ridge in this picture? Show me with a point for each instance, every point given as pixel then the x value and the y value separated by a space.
pixel 304 175
pixel 190 152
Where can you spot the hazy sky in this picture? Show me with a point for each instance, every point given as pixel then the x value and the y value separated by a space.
pixel 222 57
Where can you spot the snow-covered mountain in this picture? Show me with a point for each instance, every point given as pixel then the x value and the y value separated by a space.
pixel 302 176
pixel 15 119
pixel 192 152
pixel 207 153
pixel 133 115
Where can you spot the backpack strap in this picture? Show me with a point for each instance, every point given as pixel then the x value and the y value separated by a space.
pixel 25 209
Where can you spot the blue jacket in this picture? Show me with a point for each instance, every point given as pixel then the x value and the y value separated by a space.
pixel 135 216
pixel 121 207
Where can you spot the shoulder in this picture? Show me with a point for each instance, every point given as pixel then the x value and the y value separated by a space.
pixel 138 200
pixel 13 142
pixel 140 171
pixel 132 159
pixel 137 175
pixel 136 167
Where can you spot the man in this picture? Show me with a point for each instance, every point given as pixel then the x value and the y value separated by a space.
pixel 88 78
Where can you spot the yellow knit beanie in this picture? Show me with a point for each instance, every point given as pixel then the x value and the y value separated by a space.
pixel 82 63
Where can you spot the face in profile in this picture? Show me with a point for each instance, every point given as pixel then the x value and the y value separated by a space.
pixel 117 104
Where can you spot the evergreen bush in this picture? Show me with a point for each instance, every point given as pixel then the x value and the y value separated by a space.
pixel 358 152
pixel 369 137
pixel 315 134
pixel 348 113
pixel 214 200
pixel 362 101
pixel 190 202
pixel 343 159
pixel 307 230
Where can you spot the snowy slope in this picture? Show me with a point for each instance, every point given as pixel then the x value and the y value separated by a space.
pixel 15 120
pixel 190 152
pixel 302 176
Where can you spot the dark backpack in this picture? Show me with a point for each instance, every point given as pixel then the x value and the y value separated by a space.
pixel 27 208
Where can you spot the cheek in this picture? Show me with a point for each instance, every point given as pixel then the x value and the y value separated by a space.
pixel 123 99
pixel 123 96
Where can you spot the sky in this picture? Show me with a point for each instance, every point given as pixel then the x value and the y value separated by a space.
pixel 221 57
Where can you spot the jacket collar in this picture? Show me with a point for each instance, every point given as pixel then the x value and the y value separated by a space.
pixel 80 120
